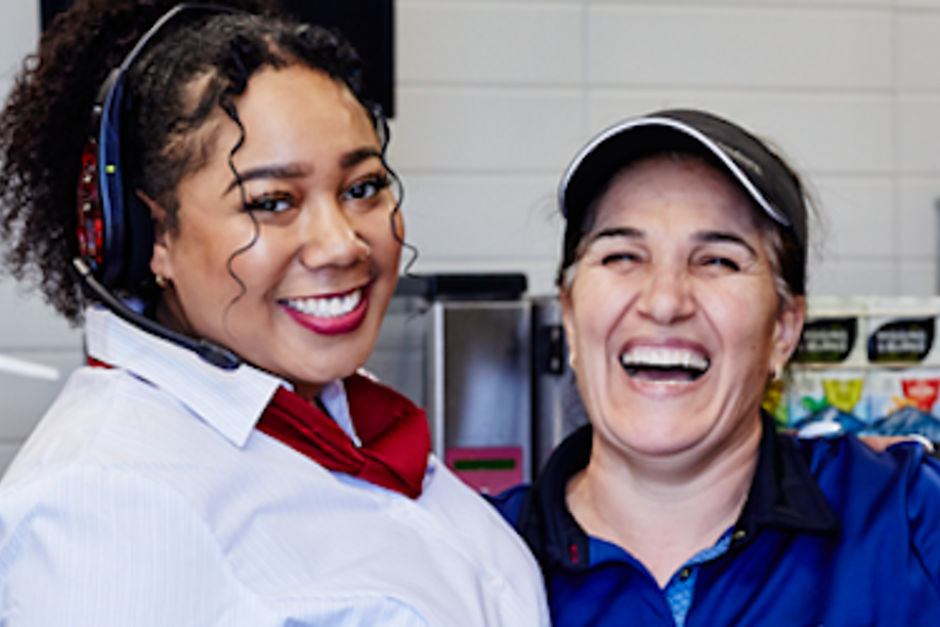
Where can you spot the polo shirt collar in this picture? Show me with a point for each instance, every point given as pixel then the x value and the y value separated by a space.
pixel 783 494
pixel 230 401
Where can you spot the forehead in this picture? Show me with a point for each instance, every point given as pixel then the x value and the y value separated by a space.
pixel 302 103
pixel 289 113
pixel 674 186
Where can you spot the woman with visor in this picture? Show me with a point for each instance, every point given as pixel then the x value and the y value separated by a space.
pixel 683 294
pixel 206 191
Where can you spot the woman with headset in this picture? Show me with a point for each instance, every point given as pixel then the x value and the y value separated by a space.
pixel 206 191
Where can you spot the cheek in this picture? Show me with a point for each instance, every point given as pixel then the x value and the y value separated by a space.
pixel 377 232
pixel 594 318
pixel 399 225
pixel 208 243
pixel 746 318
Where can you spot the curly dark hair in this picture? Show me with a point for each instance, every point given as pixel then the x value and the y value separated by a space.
pixel 189 69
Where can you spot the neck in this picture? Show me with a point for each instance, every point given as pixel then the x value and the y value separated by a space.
pixel 307 391
pixel 169 313
pixel 663 512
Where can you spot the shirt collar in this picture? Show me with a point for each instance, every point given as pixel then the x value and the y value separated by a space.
pixel 783 494
pixel 333 397
pixel 231 401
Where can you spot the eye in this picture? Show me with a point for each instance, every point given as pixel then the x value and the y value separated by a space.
pixel 271 202
pixel 717 261
pixel 367 187
pixel 619 257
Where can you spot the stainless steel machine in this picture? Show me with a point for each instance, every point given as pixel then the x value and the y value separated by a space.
pixel 488 363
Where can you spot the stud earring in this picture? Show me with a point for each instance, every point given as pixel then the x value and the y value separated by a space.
pixel 161 281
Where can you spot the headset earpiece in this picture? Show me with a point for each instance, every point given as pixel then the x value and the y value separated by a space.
pixel 90 230
pixel 115 233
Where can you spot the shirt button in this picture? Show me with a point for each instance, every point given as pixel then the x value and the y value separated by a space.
pixel 685 573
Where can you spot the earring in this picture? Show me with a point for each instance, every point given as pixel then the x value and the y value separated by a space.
pixel 161 281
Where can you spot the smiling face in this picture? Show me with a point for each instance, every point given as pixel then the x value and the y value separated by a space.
pixel 672 315
pixel 297 283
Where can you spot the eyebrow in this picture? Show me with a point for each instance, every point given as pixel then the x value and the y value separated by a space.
pixel 621 231
pixel 701 236
pixel 724 237
pixel 295 170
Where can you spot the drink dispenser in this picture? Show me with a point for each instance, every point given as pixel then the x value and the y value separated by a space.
pixel 557 408
pixel 460 346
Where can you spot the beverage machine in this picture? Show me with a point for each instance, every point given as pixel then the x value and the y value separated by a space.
pixel 487 363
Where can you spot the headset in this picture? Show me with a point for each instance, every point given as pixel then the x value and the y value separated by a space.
pixel 114 228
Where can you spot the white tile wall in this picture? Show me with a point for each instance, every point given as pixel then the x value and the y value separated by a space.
pixel 918 133
pixel 817 131
pixel 853 275
pixel 917 205
pixel 488 43
pixel 712 44
pixel 495 96
pixel 496 130
pixel 917 277
pixel 19 26
pixel 860 217
pixel 469 213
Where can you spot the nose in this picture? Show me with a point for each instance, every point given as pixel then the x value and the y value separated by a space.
pixel 666 296
pixel 330 238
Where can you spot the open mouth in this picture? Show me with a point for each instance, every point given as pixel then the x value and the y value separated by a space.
pixel 334 314
pixel 326 307
pixel 664 364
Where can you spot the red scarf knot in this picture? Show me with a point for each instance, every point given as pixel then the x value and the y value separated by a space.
pixel 395 437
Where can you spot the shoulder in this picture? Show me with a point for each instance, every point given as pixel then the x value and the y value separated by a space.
pixel 468 512
pixel 100 417
pixel 95 468
pixel 468 523
pixel 894 492
pixel 845 465
pixel 901 462
pixel 509 502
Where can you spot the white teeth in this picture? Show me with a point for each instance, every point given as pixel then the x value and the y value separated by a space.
pixel 660 357
pixel 330 307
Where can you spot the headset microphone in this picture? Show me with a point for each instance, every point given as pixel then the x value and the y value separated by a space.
pixel 114 229
pixel 212 353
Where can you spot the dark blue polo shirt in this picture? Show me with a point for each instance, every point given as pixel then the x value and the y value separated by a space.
pixel 832 533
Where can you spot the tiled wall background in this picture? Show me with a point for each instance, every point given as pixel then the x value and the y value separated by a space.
pixel 495 96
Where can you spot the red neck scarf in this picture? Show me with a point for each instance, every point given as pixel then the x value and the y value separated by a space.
pixel 394 433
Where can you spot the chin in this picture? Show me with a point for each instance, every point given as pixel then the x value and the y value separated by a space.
pixel 658 436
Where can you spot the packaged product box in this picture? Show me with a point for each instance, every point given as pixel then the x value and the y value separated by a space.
pixel 827 391
pixel 903 352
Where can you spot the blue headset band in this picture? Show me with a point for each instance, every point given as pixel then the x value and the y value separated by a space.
pixel 108 107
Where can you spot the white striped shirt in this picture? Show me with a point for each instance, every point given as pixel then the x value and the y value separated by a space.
pixel 146 497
